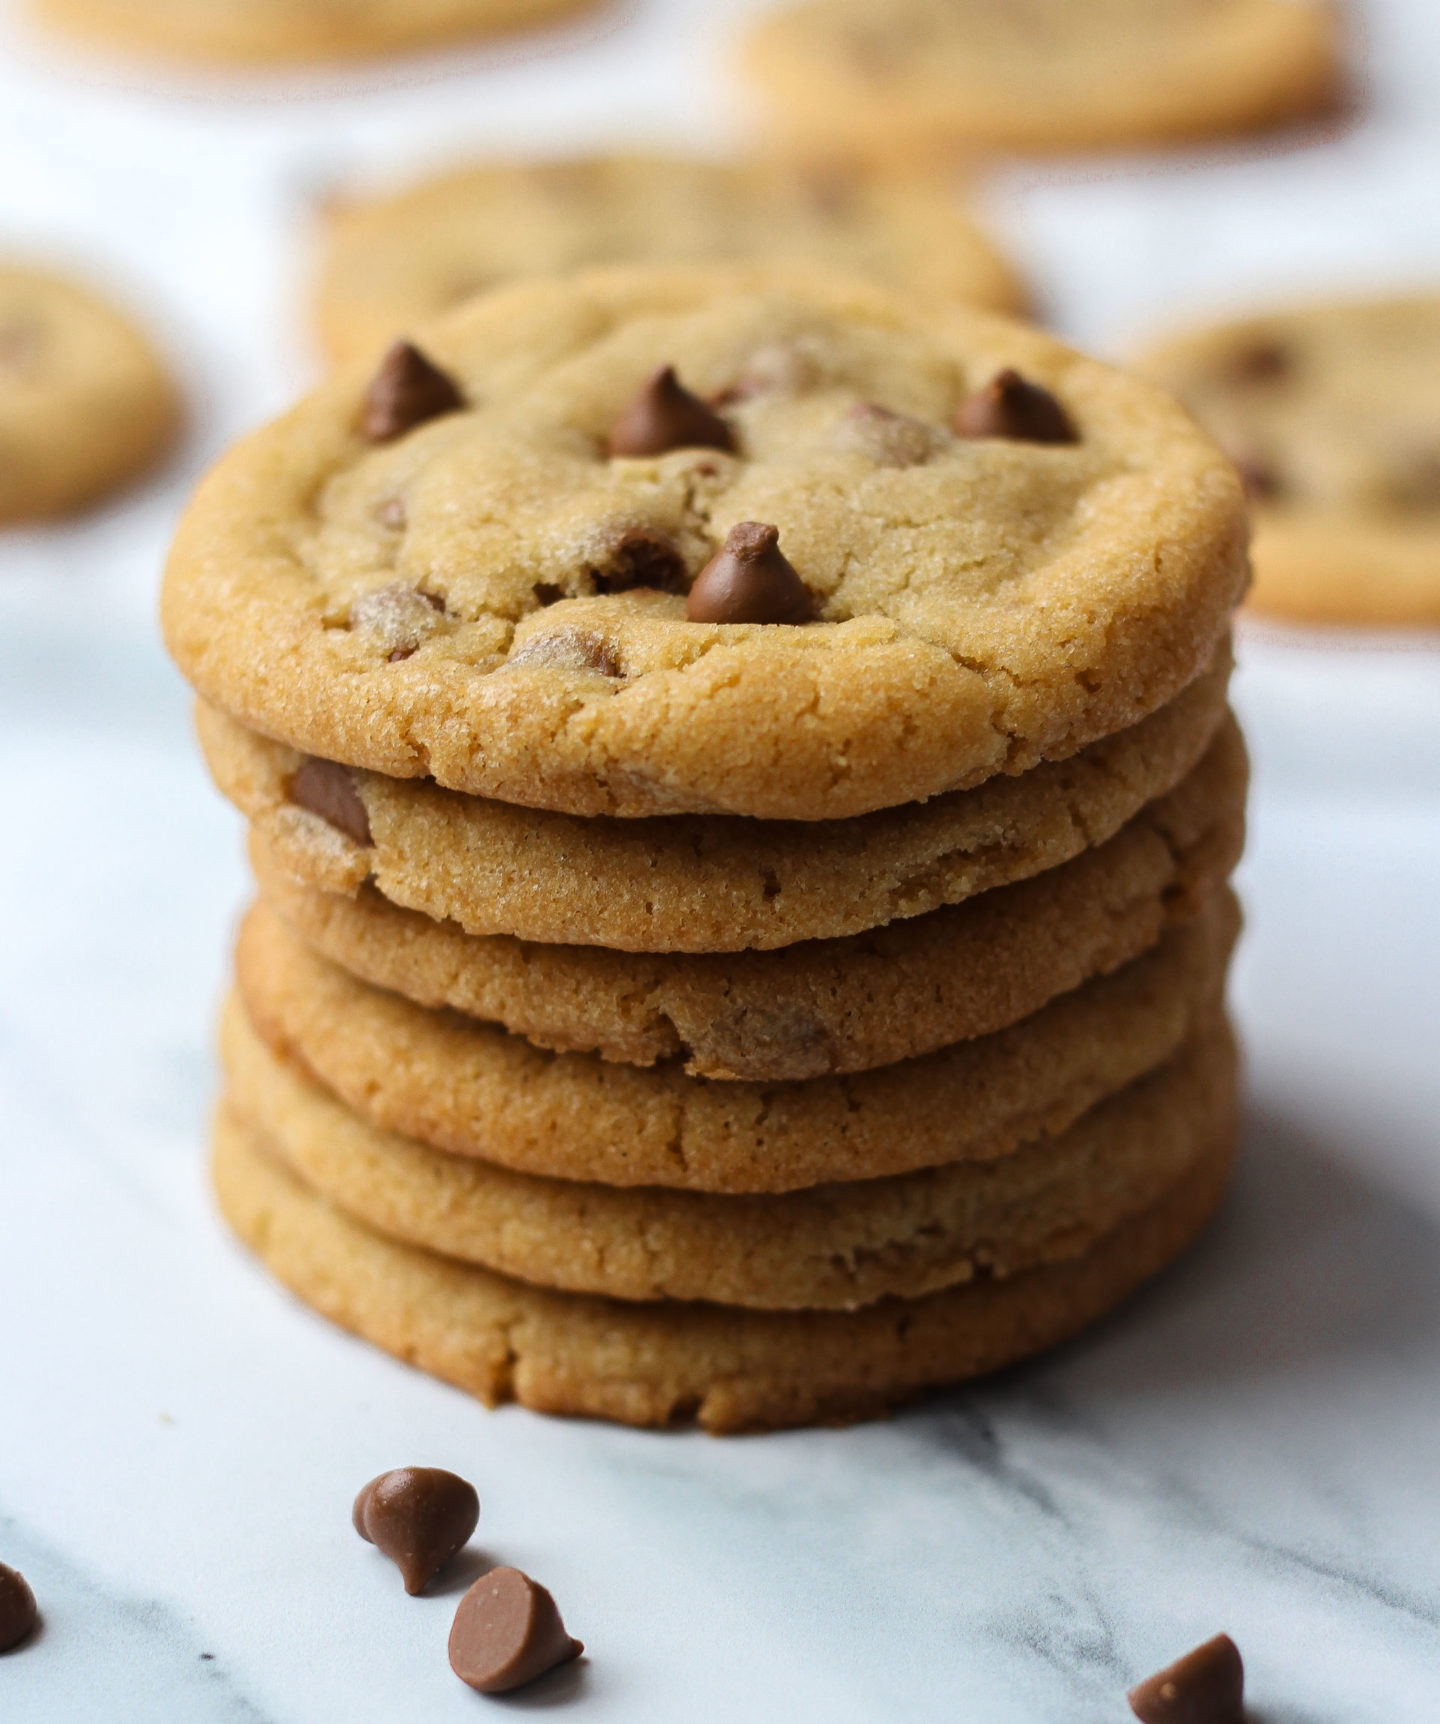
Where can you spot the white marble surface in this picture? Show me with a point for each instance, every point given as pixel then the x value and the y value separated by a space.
pixel 1252 1444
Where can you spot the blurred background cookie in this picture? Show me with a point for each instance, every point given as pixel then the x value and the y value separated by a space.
pixel 1332 413
pixel 393 261
pixel 902 76
pixel 85 401
pixel 280 31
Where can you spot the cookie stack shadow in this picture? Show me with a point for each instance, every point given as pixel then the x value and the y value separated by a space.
pixel 753 1122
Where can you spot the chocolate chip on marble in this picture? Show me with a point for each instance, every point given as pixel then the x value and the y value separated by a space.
pixel 1263 361
pixel 419 1517
pixel 750 581
pixel 1206 1686
pixel 406 391
pixel 641 557
pixel 889 439
pixel 18 1610
pixel 666 416
pixel 326 788
pixel 508 1632
pixel 567 649
pixel 1011 408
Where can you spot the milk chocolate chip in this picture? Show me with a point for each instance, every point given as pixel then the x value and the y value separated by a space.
pixel 666 416
pixel 750 581
pixel 1262 362
pixel 1010 407
pixel 406 391
pixel 507 1632
pixel 1206 1686
pixel 418 1517
pixel 327 789
pixel 18 1612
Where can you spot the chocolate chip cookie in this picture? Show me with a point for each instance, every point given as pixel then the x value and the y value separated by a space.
pixel 1332 417
pixel 670 1362
pixel 837 1246
pixel 940 547
pixel 693 883
pixel 86 403
pixel 393 262
pixel 261 32
pixel 904 77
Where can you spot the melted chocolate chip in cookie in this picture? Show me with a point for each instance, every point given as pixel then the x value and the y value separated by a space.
pixel 641 557
pixel 407 390
pixel 666 416
pixel 508 1632
pixel 1011 408
pixel 326 788
pixel 750 581
pixel 1206 1686
pixel 419 1517
pixel 889 439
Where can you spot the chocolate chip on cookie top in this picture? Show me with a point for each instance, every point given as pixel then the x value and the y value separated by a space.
pixel 749 581
pixel 407 390
pixel 974 603
pixel 1010 407
pixel 666 416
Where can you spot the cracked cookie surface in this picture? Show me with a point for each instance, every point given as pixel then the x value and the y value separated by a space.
pixel 394 261
pixel 706 883
pixel 492 601
pixel 837 1246
pixel 822 1006
pixel 1332 414
pixel 85 401
pixel 905 76
pixel 671 1363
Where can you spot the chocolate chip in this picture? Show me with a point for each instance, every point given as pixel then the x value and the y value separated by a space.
pixel 1010 407
pixel 547 593
pixel 1206 1686
pixel 406 391
pixel 398 618
pixel 327 789
pixel 567 649
pixel 780 368
pixel 641 557
pixel 507 1632
pixel 750 581
pixel 391 513
pixel 418 1517
pixel 889 439
pixel 1259 477
pixel 666 416
pixel 18 1612
pixel 1262 362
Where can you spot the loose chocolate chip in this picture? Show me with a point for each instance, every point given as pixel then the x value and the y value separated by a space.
pixel 18 1612
pixel 507 1632
pixel 1262 362
pixel 1206 1686
pixel 1010 407
pixel 641 558
pixel 750 581
pixel 327 789
pixel 666 416
pixel 418 1517
pixel 406 391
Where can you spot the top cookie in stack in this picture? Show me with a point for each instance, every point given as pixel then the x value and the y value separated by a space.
pixel 742 793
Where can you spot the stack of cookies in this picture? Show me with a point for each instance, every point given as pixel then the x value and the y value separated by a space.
pixel 742 796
